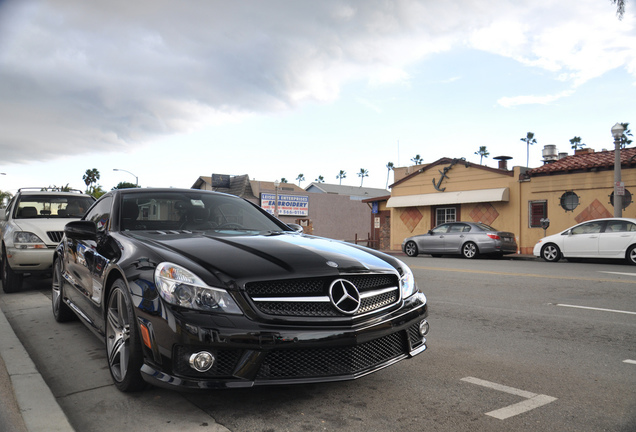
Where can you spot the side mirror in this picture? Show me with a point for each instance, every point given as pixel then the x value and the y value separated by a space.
pixel 297 228
pixel 81 230
pixel 430 232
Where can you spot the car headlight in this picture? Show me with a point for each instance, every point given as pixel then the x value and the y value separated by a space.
pixel 181 287
pixel 27 240
pixel 407 281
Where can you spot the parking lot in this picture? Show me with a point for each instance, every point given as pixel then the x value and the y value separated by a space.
pixel 515 345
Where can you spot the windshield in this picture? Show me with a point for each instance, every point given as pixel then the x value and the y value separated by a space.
pixel 191 211
pixel 52 206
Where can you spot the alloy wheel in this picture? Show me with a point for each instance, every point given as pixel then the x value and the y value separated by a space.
pixel 118 335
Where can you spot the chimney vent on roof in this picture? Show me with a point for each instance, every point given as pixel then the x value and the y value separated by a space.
pixel 563 154
pixel 550 153
pixel 503 161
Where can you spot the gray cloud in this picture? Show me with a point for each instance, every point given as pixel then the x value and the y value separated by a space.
pixel 79 76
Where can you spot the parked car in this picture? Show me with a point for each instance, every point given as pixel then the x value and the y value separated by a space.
pixel 600 238
pixel 195 289
pixel 468 239
pixel 31 226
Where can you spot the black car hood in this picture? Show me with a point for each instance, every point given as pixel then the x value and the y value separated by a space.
pixel 263 257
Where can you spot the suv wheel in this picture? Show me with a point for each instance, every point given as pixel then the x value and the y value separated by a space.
pixel 11 281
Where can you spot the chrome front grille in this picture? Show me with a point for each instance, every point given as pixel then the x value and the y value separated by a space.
pixel 55 236
pixel 310 297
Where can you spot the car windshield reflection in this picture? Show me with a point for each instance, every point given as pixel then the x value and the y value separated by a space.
pixel 194 212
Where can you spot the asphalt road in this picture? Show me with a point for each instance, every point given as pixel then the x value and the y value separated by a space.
pixel 514 346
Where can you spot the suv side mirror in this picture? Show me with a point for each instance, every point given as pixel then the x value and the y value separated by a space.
pixel 81 230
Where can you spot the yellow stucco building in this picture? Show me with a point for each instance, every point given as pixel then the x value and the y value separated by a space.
pixel 566 191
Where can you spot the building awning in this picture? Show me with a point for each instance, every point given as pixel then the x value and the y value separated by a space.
pixel 442 198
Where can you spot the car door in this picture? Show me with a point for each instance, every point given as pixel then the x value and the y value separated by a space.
pixel 455 237
pixel 617 237
pixel 433 242
pixel 85 264
pixel 583 240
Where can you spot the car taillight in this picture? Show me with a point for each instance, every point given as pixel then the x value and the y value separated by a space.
pixel 493 236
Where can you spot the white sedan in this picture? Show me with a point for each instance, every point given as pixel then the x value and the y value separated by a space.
pixel 599 238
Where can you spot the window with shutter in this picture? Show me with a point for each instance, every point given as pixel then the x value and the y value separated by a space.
pixel 538 211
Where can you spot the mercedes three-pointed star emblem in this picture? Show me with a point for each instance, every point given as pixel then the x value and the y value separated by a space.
pixel 344 296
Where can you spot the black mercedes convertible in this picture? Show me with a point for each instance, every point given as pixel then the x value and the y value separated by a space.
pixel 195 289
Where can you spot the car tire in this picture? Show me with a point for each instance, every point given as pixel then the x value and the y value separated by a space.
pixel 410 248
pixel 470 250
pixel 631 255
pixel 123 344
pixel 61 311
pixel 11 281
pixel 551 253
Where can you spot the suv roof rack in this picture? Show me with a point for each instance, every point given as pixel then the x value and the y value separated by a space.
pixel 50 189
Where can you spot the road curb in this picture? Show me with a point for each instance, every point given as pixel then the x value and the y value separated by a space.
pixel 37 404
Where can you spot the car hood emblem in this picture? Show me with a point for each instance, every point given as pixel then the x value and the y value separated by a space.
pixel 345 296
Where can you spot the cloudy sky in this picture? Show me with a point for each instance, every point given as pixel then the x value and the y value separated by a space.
pixel 174 90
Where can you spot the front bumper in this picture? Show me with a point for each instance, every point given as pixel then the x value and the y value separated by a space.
pixel 30 260
pixel 248 354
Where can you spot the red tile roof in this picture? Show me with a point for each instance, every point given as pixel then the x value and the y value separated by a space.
pixel 603 160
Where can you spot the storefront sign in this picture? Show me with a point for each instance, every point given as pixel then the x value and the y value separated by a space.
pixel 288 205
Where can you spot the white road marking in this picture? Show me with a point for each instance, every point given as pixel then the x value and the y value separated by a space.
pixel 597 309
pixel 629 361
pixel 619 273
pixel 532 401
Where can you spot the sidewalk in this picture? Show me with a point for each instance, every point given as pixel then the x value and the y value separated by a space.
pixel 35 408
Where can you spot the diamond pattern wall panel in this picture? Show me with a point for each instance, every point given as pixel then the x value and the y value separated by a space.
pixel 484 212
pixel 411 217
pixel 593 211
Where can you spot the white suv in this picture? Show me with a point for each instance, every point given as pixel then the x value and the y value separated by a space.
pixel 31 226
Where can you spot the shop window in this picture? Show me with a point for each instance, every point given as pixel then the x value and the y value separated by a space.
pixel 538 211
pixel 569 201
pixel 445 214
pixel 627 199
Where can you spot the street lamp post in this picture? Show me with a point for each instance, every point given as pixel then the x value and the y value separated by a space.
pixel 276 184
pixel 619 190
pixel 136 178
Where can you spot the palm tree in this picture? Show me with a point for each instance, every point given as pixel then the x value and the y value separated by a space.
pixel 341 175
pixel 417 160
pixel 620 8
pixel 362 174
pixel 576 143
pixel 626 133
pixel 482 153
pixel 389 167
pixel 320 179
pixel 529 140
pixel 91 176
pixel 283 180
pixel 301 177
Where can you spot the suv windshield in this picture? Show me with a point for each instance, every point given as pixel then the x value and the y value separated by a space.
pixel 191 211
pixel 52 206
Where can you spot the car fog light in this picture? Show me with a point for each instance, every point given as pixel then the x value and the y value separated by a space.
pixel 424 327
pixel 202 361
